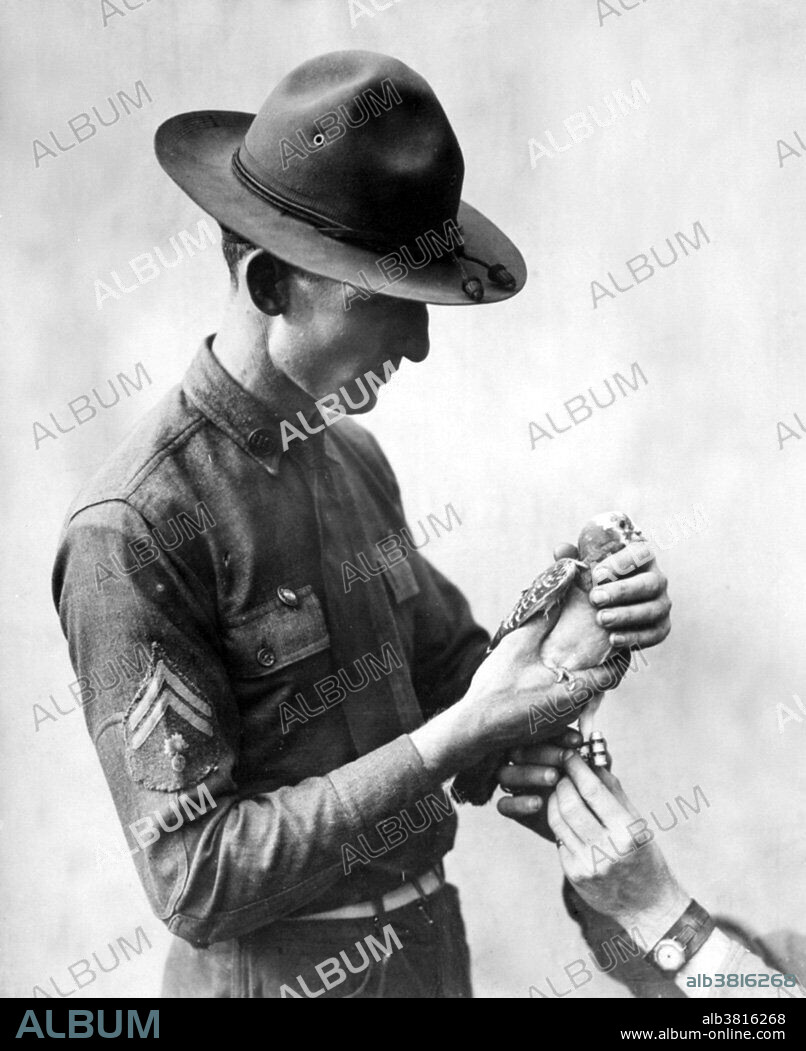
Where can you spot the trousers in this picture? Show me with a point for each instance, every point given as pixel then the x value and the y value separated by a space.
pixel 417 951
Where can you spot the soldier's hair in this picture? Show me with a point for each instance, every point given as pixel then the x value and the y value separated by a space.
pixel 234 248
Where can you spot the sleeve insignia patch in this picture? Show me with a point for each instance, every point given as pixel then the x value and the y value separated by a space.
pixel 171 732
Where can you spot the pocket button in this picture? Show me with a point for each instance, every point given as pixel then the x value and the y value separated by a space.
pixel 288 596
pixel 265 657
pixel 260 441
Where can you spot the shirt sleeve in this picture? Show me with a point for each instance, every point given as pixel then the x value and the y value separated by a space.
pixel 721 956
pixel 215 862
pixel 449 644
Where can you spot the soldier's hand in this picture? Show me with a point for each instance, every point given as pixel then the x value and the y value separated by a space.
pixel 514 697
pixel 630 593
pixel 530 777
pixel 632 597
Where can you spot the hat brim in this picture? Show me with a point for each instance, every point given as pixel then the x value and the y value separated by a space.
pixel 196 150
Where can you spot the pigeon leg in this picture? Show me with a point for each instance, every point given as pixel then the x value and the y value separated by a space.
pixel 588 715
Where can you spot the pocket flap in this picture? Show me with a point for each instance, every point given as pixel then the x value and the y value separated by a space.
pixel 277 634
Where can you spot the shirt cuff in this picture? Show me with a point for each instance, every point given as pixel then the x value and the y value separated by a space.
pixel 717 955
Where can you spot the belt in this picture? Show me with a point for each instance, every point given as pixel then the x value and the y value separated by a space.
pixel 420 888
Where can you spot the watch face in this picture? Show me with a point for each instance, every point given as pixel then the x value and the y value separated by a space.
pixel 669 955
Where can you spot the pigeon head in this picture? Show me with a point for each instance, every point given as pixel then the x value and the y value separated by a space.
pixel 605 534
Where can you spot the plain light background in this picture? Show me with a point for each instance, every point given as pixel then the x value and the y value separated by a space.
pixel 719 337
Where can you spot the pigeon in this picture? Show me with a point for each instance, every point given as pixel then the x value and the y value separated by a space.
pixel 575 640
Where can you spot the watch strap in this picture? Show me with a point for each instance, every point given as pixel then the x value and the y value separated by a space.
pixel 690 932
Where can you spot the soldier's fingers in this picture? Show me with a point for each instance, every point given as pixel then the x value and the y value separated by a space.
pixel 619 661
pixel 631 558
pixel 645 586
pixel 519 807
pixel 565 551
pixel 642 615
pixel 513 778
pixel 642 639
pixel 547 753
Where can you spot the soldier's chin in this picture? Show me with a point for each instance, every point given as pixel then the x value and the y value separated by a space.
pixel 370 405
pixel 360 406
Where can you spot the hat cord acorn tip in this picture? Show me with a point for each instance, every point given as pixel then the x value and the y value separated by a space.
pixel 471 286
pixel 496 272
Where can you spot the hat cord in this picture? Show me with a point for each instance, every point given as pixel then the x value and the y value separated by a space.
pixel 497 273
pixel 471 286
pixel 324 224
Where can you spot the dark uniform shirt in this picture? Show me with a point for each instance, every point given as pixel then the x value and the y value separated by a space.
pixel 249 679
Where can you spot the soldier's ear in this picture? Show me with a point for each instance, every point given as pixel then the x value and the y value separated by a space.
pixel 266 281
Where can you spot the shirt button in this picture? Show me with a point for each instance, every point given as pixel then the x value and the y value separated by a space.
pixel 260 441
pixel 288 596
pixel 265 657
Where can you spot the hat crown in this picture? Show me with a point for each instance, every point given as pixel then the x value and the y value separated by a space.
pixel 360 142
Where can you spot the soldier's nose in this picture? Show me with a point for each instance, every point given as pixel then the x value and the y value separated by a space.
pixel 413 320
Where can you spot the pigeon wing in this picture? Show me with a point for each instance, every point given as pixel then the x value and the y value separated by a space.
pixel 545 595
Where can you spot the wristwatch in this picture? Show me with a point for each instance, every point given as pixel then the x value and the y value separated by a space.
pixel 682 940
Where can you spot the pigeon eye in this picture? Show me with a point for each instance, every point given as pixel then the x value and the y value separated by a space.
pixel 622 523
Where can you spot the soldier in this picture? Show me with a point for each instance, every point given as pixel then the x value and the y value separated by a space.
pixel 312 679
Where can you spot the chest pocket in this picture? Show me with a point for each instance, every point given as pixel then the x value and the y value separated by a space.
pixel 285 630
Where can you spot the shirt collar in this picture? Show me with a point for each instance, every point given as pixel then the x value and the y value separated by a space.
pixel 249 422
